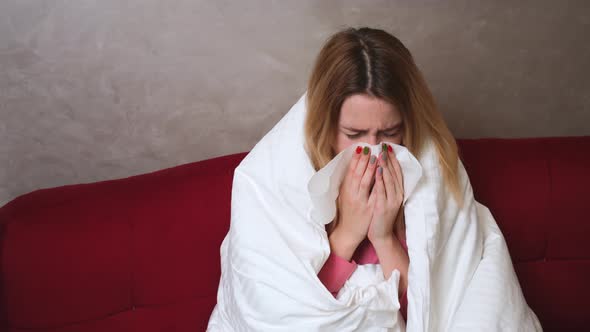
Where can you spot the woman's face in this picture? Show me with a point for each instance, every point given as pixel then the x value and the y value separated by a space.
pixel 367 119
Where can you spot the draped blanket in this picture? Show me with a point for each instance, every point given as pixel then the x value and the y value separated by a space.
pixel 460 275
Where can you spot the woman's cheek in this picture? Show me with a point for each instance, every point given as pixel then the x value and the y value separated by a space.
pixel 395 140
pixel 343 142
pixel 346 142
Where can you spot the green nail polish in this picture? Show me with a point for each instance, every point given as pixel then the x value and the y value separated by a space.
pixel 373 158
pixel 384 146
pixel 366 150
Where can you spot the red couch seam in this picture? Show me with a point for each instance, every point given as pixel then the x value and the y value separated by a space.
pixel 99 318
pixel 69 324
pixel 550 213
pixel 547 260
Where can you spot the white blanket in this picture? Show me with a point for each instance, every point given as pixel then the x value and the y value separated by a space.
pixel 460 275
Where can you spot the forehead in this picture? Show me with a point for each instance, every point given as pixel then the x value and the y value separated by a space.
pixel 366 112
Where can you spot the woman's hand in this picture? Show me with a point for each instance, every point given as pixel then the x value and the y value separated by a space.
pixel 388 194
pixel 354 208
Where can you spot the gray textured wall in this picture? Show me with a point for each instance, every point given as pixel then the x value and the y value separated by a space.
pixel 93 90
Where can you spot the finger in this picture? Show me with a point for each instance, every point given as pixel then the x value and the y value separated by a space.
pixel 379 185
pixel 384 162
pixel 389 161
pixel 378 192
pixel 388 180
pixel 360 168
pixel 356 156
pixel 373 194
pixel 368 177
pixel 398 171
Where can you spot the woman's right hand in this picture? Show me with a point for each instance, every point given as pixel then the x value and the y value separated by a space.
pixel 354 207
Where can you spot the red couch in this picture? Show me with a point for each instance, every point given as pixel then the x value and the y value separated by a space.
pixel 142 253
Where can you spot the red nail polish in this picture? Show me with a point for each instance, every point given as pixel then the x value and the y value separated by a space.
pixel 358 150
pixel 389 148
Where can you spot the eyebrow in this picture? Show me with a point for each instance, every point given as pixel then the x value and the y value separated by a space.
pixel 397 126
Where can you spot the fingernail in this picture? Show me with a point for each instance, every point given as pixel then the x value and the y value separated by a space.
pixel 358 149
pixel 384 147
pixel 380 170
pixel 389 148
pixel 383 156
pixel 373 158
pixel 366 150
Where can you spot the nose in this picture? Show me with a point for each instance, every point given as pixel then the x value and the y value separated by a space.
pixel 372 140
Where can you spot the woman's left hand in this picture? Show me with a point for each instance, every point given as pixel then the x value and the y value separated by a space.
pixel 387 197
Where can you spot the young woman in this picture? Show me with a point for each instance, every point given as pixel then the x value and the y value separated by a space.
pixel 299 229
pixel 365 87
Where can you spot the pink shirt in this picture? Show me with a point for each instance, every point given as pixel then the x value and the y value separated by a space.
pixel 337 270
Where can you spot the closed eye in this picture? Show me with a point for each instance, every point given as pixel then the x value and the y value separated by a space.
pixel 353 136
pixel 357 135
pixel 387 132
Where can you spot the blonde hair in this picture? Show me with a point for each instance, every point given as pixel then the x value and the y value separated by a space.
pixel 373 62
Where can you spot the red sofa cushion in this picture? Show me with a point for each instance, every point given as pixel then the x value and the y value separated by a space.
pixel 133 254
pixel 538 189
pixel 142 253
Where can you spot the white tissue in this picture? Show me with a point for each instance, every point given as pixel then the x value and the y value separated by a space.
pixel 325 184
